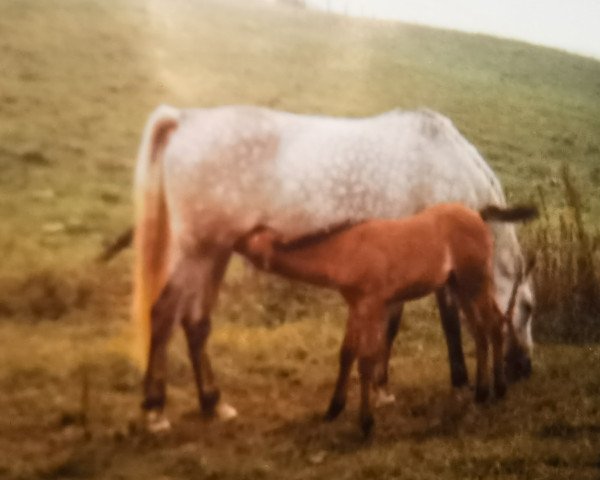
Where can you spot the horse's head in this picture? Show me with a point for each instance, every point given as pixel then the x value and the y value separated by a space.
pixel 519 345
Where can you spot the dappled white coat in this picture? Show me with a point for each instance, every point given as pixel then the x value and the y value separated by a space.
pixel 228 169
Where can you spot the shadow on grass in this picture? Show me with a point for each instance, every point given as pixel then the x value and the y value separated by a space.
pixel 417 415
pixel 565 430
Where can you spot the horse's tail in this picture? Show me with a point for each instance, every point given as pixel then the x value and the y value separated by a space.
pixel 520 213
pixel 151 231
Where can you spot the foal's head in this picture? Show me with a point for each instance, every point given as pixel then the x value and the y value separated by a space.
pixel 258 245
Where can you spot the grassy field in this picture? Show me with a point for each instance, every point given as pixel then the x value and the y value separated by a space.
pixel 79 78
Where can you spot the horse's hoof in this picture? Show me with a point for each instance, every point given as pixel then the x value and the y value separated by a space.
pixel 366 424
pixel 382 398
pixel 335 408
pixel 225 412
pixel 156 422
pixel 500 390
pixel 481 395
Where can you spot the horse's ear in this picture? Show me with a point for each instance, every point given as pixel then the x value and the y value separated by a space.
pixel 530 264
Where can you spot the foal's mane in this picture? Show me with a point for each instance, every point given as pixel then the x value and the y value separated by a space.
pixel 315 237
pixel 518 213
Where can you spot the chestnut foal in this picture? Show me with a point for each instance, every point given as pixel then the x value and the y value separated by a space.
pixel 378 263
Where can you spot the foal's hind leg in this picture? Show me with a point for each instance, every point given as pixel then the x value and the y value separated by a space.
pixel 351 348
pixel 348 353
pixel 370 351
pixel 382 395
pixel 449 315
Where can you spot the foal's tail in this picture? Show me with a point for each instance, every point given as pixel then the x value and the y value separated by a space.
pixel 520 213
pixel 151 230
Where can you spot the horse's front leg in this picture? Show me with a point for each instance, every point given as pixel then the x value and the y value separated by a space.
pixel 482 385
pixel 498 360
pixel 449 314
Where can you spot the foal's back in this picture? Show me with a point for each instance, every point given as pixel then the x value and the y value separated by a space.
pixel 405 258
pixel 421 252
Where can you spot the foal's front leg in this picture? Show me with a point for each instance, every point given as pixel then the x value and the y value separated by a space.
pixel 477 327
pixel 492 321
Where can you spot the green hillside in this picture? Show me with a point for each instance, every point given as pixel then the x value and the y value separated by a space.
pixel 78 79
pixel 81 77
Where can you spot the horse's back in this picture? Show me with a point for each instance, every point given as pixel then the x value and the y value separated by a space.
pixel 240 166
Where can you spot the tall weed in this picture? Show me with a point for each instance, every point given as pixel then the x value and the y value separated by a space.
pixel 566 277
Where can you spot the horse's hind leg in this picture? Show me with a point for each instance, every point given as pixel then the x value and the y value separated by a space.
pixel 188 297
pixel 205 278
pixel 163 317
pixel 449 315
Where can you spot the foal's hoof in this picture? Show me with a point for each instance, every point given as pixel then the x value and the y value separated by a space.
pixel 225 412
pixel 335 408
pixel 460 381
pixel 382 397
pixel 156 422
pixel 366 425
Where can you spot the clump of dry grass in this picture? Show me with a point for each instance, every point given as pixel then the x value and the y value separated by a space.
pixel 44 294
pixel 566 277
